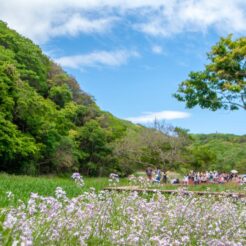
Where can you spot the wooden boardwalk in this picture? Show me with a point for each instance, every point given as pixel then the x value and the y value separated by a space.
pixel 185 192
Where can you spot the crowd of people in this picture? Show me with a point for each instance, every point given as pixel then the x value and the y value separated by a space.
pixel 211 177
pixel 157 175
pixel 160 176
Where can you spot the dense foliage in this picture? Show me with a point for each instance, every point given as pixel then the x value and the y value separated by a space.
pixel 218 152
pixel 222 84
pixel 47 123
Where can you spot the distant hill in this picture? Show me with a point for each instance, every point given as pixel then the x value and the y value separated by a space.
pixel 229 150
pixel 47 122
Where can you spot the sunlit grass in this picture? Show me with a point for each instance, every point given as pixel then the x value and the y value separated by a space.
pixel 116 218
pixel 22 186
pixel 226 187
pixel 124 218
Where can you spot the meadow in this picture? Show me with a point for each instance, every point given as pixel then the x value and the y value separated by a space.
pixel 64 211
pixel 22 186
pixel 227 187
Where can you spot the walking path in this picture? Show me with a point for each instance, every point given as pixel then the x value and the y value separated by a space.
pixel 135 188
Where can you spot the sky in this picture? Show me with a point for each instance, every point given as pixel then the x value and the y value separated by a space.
pixel 130 55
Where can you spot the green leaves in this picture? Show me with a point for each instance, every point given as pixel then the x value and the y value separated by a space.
pixel 31 63
pixel 222 84
pixel 93 141
pixel 222 152
pixel 60 95
pixel 48 124
pixel 13 143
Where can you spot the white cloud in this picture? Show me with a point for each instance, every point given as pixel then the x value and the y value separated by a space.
pixel 44 19
pixel 76 24
pixel 156 49
pixel 163 115
pixel 225 16
pixel 97 59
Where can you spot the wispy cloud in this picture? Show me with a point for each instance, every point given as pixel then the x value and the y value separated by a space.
pixel 157 49
pixel 97 59
pixel 163 115
pixel 77 24
pixel 45 19
pixel 195 16
pixel 42 20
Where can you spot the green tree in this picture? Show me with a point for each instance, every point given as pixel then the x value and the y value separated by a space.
pixel 16 148
pixel 93 140
pixel 241 166
pixel 60 95
pixel 222 84
pixel 201 158
pixel 230 150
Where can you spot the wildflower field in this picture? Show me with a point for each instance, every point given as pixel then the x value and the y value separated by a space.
pixel 60 211
pixel 23 186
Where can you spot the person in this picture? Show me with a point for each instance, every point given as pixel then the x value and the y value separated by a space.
pixel 230 177
pixel 204 178
pixel 191 178
pixel 244 179
pixel 175 181
pixel 186 180
pixel 164 177
pixel 221 180
pixel 211 177
pixel 149 173
pixel 196 179
pixel 158 175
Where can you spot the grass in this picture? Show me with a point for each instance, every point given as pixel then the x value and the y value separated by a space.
pixel 22 186
pixel 227 187
pixel 232 187
pixel 115 211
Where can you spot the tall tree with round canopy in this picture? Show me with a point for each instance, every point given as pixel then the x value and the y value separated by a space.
pixel 222 85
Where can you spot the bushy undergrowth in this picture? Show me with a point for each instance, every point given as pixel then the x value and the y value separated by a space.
pixel 111 218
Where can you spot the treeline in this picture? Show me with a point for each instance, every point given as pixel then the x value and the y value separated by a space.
pixel 218 151
pixel 49 125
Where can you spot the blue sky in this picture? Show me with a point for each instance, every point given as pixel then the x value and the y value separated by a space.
pixel 131 55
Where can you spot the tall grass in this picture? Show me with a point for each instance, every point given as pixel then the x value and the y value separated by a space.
pixel 23 186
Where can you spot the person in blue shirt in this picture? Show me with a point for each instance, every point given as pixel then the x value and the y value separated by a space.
pixel 158 175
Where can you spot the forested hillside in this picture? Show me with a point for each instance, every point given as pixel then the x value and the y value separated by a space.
pixel 219 151
pixel 49 125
